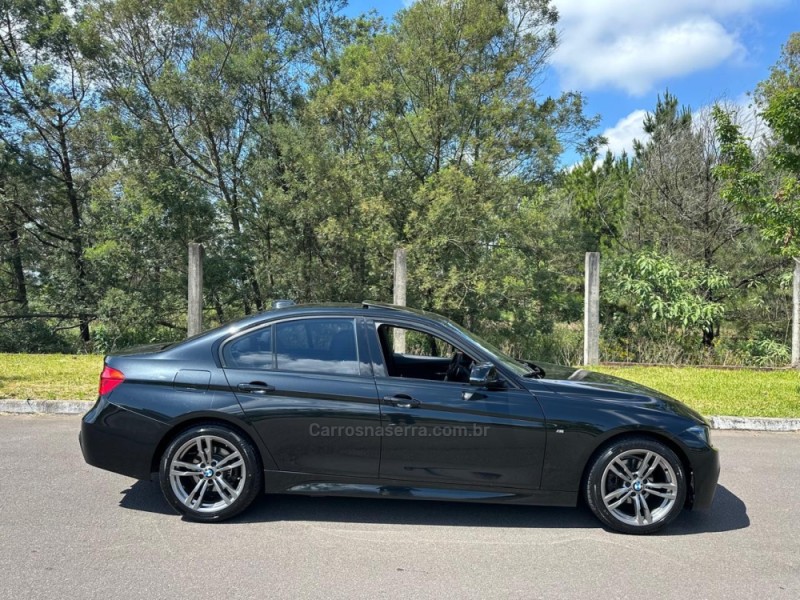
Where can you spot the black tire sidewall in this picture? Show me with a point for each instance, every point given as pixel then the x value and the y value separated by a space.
pixel 253 478
pixel 593 490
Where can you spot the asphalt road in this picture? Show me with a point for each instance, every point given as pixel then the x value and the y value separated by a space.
pixel 71 531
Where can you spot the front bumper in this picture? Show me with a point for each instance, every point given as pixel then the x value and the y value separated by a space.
pixel 120 440
pixel 705 474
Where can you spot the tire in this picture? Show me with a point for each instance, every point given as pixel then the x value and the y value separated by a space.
pixel 210 473
pixel 636 485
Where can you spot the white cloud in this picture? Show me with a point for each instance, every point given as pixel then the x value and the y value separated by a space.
pixel 620 137
pixel 635 45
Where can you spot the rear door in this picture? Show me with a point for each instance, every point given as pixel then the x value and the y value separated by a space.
pixel 304 386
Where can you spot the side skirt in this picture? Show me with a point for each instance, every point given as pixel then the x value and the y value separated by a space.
pixel 307 484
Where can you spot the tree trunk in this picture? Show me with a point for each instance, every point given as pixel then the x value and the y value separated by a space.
pixel 17 270
pixel 76 239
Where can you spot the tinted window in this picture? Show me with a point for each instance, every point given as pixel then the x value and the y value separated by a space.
pixel 250 351
pixel 317 346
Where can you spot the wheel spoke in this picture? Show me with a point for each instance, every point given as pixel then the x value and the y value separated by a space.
pixel 648 518
pixel 176 473
pixel 190 498
pixel 200 452
pixel 627 476
pixel 227 459
pixel 643 466
pixel 620 501
pixel 221 493
pixel 649 472
pixel 235 465
pixel 186 465
pixel 615 494
pixel 209 450
pixel 662 490
pixel 638 506
pixel 234 494
pixel 199 502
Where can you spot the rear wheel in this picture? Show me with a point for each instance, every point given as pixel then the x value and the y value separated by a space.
pixel 210 473
pixel 636 485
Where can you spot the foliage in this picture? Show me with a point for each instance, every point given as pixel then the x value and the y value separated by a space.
pixel 769 195
pixel 657 294
pixel 598 190
pixel 301 146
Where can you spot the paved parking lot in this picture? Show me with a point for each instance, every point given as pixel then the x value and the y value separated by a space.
pixel 71 531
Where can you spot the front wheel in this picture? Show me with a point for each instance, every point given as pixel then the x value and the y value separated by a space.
pixel 210 473
pixel 636 485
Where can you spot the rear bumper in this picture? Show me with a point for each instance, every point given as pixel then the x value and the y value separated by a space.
pixel 705 473
pixel 119 440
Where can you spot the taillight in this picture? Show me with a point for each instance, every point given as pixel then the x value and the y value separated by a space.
pixel 109 379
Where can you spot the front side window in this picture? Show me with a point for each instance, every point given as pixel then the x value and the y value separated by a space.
pixel 317 346
pixel 418 354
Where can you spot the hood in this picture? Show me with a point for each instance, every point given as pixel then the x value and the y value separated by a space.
pixel 611 389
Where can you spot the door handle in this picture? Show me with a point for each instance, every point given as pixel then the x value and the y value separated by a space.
pixel 255 387
pixel 401 401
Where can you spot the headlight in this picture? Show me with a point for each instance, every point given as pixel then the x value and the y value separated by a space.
pixel 700 432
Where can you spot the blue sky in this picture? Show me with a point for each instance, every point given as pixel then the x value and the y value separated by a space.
pixel 622 53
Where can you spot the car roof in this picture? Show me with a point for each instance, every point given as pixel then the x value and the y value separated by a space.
pixel 366 308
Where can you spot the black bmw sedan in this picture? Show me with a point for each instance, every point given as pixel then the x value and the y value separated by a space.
pixel 378 400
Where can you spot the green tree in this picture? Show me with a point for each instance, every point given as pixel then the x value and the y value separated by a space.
pixel 46 105
pixel 767 189
pixel 598 192
pixel 443 116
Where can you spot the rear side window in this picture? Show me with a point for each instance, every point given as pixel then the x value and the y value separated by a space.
pixel 250 351
pixel 317 346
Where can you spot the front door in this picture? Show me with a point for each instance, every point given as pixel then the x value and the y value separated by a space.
pixel 440 429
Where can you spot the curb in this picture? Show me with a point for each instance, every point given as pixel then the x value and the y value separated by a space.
pixel 78 407
pixel 49 407
pixel 755 423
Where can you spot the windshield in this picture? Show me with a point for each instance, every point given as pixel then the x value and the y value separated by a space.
pixel 518 367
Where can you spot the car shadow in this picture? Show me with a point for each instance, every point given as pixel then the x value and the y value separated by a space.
pixel 727 513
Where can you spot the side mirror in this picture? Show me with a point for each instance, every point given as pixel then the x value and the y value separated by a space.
pixel 483 375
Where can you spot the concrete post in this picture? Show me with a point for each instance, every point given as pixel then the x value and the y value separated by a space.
pixel 400 282
pixel 591 310
pixel 796 314
pixel 195 318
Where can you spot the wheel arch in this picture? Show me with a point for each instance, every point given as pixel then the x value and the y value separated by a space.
pixel 207 419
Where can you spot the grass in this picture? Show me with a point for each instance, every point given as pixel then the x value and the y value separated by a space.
pixel 49 376
pixel 709 391
pixel 739 393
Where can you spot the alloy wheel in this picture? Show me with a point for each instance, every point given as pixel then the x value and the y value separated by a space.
pixel 639 487
pixel 207 473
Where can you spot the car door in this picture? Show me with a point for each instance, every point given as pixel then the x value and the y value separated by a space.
pixel 312 399
pixel 450 432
